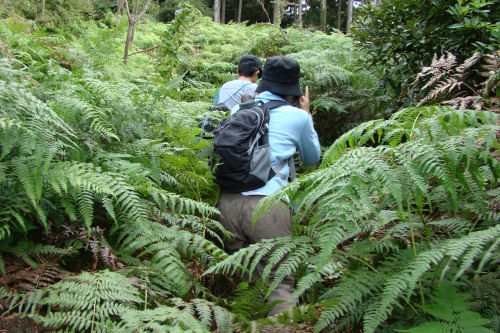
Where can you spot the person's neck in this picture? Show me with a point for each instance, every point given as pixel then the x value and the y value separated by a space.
pixel 245 78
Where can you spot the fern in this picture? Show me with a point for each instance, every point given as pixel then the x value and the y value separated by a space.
pixel 88 301
pixel 407 279
pixel 448 83
pixel 250 301
pixel 180 316
pixel 452 310
pixel 420 170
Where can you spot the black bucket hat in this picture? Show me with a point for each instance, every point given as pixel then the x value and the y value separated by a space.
pixel 281 76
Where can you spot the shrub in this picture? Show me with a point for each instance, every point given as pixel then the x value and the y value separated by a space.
pixel 401 35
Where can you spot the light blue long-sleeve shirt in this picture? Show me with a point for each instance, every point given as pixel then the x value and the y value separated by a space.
pixel 290 129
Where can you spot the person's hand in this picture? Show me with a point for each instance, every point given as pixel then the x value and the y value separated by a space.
pixel 304 103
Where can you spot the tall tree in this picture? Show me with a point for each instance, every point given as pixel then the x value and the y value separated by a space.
pixel 43 7
pixel 276 13
pixel 240 4
pixel 223 15
pixel 119 7
pixel 323 15
pixel 299 13
pixel 339 15
pixel 349 15
pixel 133 17
pixel 261 2
pixel 217 11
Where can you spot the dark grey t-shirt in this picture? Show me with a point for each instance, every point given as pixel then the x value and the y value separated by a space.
pixel 227 92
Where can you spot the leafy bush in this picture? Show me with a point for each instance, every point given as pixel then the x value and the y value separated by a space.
pixel 88 174
pixel 452 309
pixel 401 35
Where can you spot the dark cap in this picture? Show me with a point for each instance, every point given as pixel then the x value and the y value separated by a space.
pixel 248 64
pixel 281 76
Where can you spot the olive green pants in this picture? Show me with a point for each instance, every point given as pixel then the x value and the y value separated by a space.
pixel 237 211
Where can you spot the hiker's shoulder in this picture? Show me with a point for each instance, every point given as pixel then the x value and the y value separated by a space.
pixel 231 83
pixel 298 113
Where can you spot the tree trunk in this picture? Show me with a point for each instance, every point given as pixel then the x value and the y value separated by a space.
pixel 276 13
pixel 240 4
pixel 349 15
pixel 127 42
pixel 133 17
pixel 339 15
pixel 323 15
pixel 217 11
pixel 265 10
pixel 299 19
pixel 223 15
pixel 132 35
pixel 119 7
pixel 43 7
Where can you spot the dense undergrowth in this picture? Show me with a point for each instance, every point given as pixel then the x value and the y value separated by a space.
pixel 107 218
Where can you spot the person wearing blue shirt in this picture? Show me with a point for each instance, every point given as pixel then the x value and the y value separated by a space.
pixel 290 129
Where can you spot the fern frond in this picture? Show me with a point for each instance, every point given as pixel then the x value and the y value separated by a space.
pixel 89 301
pixel 162 318
pixel 235 261
pixel 88 112
pixel 456 249
pixel 181 205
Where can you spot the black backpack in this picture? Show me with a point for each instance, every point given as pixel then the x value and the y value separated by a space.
pixel 208 124
pixel 241 151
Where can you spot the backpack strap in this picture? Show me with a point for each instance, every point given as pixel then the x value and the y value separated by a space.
pixel 217 96
pixel 267 107
pixel 291 165
pixel 237 91
pixel 205 151
pixel 290 161
pixel 274 104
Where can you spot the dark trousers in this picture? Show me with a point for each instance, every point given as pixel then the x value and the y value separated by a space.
pixel 237 211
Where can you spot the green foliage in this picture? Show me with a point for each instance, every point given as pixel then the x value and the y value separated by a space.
pixel 98 171
pixel 96 163
pixel 378 216
pixel 480 17
pixel 168 9
pixel 452 310
pixel 400 35
pixel 88 301
pixel 250 302
pixel 65 14
pixel 107 301
pixel 200 56
pixel 195 316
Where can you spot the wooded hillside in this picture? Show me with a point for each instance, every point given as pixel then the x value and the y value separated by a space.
pixel 107 215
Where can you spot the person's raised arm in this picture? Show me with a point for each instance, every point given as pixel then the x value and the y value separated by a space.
pixel 308 146
pixel 304 102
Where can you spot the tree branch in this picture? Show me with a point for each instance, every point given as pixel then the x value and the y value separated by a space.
pixel 265 11
pixel 143 11
pixel 146 50
pixel 128 10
